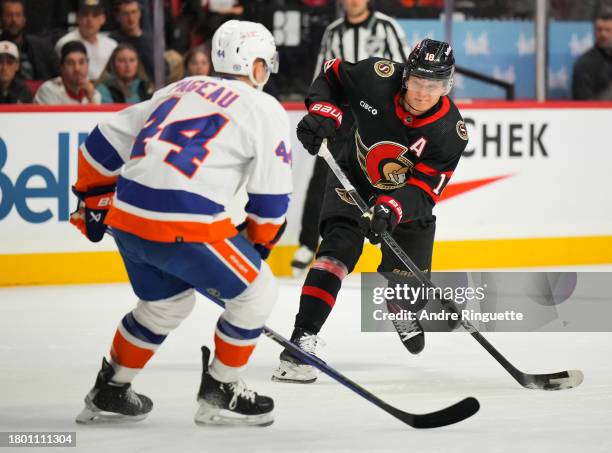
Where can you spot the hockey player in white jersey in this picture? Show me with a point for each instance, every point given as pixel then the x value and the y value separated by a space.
pixel 161 174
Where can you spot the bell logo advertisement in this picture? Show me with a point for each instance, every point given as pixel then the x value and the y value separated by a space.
pixel 18 192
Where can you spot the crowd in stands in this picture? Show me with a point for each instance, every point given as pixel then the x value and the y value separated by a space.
pixel 102 51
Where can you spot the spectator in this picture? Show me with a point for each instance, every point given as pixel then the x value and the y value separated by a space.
pixel 124 80
pixel 12 90
pixel 91 18
pixel 174 66
pixel 38 61
pixel 197 62
pixel 128 14
pixel 592 78
pixel 72 86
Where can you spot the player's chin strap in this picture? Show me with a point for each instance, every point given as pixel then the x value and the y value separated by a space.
pixel 549 381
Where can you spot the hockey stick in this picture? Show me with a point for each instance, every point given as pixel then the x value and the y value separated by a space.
pixel 447 416
pixel 547 381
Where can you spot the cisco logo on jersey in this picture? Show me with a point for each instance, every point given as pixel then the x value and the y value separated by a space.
pixel 368 107
pixel 36 181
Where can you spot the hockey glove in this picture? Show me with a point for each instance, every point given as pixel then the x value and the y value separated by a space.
pixel 91 211
pixel 263 249
pixel 386 214
pixel 320 123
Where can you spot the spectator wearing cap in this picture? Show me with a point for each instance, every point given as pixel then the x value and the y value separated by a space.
pixel 592 78
pixel 91 18
pixel 128 14
pixel 73 85
pixel 12 90
pixel 38 61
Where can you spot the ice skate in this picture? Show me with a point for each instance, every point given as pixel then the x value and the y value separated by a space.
pixel 301 261
pixel 410 332
pixel 109 402
pixel 291 369
pixel 230 403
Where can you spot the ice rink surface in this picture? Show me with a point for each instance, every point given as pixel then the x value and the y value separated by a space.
pixel 52 340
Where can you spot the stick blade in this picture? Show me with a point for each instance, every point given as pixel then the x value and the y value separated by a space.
pixel 553 381
pixel 447 416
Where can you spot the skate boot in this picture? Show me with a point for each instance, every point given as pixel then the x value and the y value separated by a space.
pixel 292 369
pixel 230 403
pixel 110 402
pixel 301 261
pixel 410 332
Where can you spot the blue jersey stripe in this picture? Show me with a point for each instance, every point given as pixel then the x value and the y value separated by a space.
pixel 270 206
pixel 165 200
pixel 140 331
pixel 237 332
pixel 102 151
pixel 247 249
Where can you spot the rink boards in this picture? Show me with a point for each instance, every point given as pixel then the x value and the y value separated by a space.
pixel 532 189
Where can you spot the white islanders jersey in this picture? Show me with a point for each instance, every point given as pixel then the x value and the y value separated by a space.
pixel 180 158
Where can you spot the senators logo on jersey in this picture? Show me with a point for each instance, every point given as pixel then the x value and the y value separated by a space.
pixel 384 68
pixel 462 130
pixel 385 164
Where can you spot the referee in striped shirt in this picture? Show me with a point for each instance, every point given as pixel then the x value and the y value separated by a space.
pixel 361 33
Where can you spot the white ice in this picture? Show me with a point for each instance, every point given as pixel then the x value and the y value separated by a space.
pixel 52 340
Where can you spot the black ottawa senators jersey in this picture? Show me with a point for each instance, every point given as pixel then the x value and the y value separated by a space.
pixel 410 158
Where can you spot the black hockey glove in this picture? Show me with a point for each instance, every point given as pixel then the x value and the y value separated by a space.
pixel 321 122
pixel 91 211
pixel 386 214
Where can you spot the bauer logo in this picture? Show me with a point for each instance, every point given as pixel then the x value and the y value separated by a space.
pixel 20 187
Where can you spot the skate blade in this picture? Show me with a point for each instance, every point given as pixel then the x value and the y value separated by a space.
pixel 293 381
pixel 294 374
pixel 96 417
pixel 209 415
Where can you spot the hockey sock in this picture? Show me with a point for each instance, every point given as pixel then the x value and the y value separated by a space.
pixel 233 348
pixel 319 293
pixel 132 347
pixel 143 329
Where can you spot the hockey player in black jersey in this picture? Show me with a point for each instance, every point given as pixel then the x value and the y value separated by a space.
pixel 408 138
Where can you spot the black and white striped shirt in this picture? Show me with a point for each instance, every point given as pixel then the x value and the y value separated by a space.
pixel 378 36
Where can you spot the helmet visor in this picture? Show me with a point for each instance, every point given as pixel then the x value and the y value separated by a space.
pixel 272 65
pixel 434 87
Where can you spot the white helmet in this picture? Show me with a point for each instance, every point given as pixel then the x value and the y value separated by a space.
pixel 237 44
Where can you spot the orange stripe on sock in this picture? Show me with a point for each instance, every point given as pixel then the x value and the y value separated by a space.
pixel 232 355
pixel 238 264
pixel 128 354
